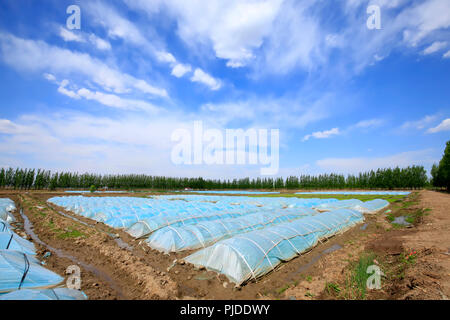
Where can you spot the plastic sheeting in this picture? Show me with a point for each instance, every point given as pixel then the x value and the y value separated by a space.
pixel 46 294
pixel 231 192
pixel 6 207
pixel 21 271
pixel 4 227
pixel 393 193
pixel 372 206
pixel 354 204
pixel 201 235
pixel 11 241
pixel 254 254
pixel 176 210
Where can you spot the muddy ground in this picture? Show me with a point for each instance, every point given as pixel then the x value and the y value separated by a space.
pixel 116 266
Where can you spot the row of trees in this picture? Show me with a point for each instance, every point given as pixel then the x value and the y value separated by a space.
pixel 399 178
pixel 441 172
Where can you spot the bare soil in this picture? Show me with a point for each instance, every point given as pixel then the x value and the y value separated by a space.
pixel 116 266
pixel 426 278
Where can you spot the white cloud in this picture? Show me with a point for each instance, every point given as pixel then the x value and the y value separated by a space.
pixel 32 56
pixel 203 77
pixel 82 37
pixel 296 40
pixel 107 99
pixel 446 55
pixel 166 57
pixel 143 86
pixel 423 19
pixel 443 126
pixel 8 127
pixel 70 36
pixel 180 70
pixel 63 90
pixel 115 101
pixel 356 165
pixel 268 112
pixel 361 126
pixel 436 46
pixel 371 123
pixel 49 77
pixel 99 42
pixel 322 134
pixel 120 28
pixel 233 28
pixel 284 35
pixel 84 143
pixel 419 124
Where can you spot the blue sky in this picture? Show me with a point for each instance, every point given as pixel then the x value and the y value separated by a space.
pixel 107 98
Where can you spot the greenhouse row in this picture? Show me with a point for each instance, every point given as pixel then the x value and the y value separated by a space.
pixel 22 276
pixel 240 237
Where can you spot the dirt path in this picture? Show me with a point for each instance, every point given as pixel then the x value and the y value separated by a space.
pixel 426 276
pixel 431 277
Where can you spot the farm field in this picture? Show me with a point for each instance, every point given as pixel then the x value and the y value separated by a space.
pixel 115 265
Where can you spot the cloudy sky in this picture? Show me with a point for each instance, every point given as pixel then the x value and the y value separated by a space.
pixel 107 97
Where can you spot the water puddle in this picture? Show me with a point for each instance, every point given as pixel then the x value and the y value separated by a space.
pixel 401 221
pixel 28 226
pixel 123 245
pixel 331 249
pixel 74 219
pixel 316 258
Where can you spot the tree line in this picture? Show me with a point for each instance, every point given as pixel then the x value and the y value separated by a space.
pixel 441 172
pixel 413 177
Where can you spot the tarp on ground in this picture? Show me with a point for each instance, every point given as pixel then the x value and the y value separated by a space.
pixel 371 206
pixel 45 294
pixel 21 271
pixel 230 192
pixel 4 226
pixel 6 207
pixel 146 226
pixel 392 193
pixel 123 212
pixel 254 254
pixel 11 241
pixel 203 234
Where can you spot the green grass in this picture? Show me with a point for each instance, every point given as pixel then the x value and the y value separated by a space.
pixel 51 224
pixel 356 284
pixel 68 233
pixel 332 288
pixel 413 216
pixel 283 289
pixel 71 233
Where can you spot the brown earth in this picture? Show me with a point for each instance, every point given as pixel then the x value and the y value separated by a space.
pixel 116 266
pixel 426 278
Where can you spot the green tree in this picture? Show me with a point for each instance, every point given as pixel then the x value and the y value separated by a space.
pixel 444 168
